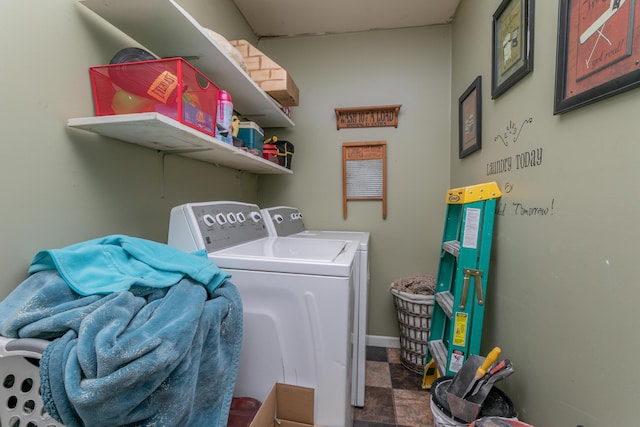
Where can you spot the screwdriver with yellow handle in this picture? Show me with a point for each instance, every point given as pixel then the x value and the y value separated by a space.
pixel 271 140
pixel 491 358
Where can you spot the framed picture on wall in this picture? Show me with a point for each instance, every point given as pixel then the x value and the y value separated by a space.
pixel 512 50
pixel 597 53
pixel 470 119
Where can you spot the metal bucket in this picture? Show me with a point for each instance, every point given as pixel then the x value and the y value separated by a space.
pixel 497 404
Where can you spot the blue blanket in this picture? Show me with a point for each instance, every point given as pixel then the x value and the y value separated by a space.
pixel 118 262
pixel 160 355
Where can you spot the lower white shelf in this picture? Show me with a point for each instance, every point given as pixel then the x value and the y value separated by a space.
pixel 159 132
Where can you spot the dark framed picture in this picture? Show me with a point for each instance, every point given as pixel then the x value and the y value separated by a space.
pixel 597 53
pixel 470 118
pixel 512 51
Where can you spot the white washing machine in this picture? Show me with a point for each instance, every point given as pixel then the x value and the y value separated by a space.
pixel 297 300
pixel 287 221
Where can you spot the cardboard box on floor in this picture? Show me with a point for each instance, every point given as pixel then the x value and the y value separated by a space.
pixel 286 406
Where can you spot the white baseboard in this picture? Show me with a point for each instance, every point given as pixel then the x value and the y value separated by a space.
pixel 381 341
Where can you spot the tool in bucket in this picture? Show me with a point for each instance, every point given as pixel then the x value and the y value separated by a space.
pixel 471 371
pixel 494 368
pixel 480 394
pixel 469 408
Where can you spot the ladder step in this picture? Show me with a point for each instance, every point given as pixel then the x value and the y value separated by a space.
pixel 439 352
pixel 445 301
pixel 452 246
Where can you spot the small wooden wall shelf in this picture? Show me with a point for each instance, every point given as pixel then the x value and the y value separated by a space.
pixel 365 117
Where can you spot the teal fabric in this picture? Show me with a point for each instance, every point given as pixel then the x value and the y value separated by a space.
pixel 118 262
pixel 170 362
pixel 162 352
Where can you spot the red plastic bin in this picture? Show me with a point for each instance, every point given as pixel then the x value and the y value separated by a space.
pixel 171 87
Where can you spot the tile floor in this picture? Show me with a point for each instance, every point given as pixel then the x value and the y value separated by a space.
pixel 393 394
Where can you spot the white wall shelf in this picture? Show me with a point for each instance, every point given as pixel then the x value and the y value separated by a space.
pixel 167 30
pixel 159 132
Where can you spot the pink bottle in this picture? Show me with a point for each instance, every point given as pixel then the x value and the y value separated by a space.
pixel 225 117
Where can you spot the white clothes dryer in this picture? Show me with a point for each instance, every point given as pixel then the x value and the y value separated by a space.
pixel 297 300
pixel 287 221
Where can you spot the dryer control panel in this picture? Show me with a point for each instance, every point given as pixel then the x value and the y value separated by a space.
pixel 283 220
pixel 215 225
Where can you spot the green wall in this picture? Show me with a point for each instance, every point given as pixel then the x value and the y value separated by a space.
pixel 561 298
pixel 410 67
pixel 59 185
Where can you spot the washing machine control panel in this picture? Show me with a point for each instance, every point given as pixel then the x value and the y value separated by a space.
pixel 283 220
pixel 215 225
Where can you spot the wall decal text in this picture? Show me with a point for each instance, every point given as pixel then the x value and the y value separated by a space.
pixel 522 160
pixel 512 132
pixel 524 209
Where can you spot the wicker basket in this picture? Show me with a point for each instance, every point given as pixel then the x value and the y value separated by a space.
pixel 414 318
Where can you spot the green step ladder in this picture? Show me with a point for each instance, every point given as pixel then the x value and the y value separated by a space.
pixel 458 312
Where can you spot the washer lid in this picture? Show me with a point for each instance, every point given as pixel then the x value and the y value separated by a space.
pixel 362 237
pixel 290 255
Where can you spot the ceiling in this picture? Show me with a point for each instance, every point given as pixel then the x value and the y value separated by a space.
pixel 271 18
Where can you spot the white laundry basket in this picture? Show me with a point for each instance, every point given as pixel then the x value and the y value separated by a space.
pixel 20 400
